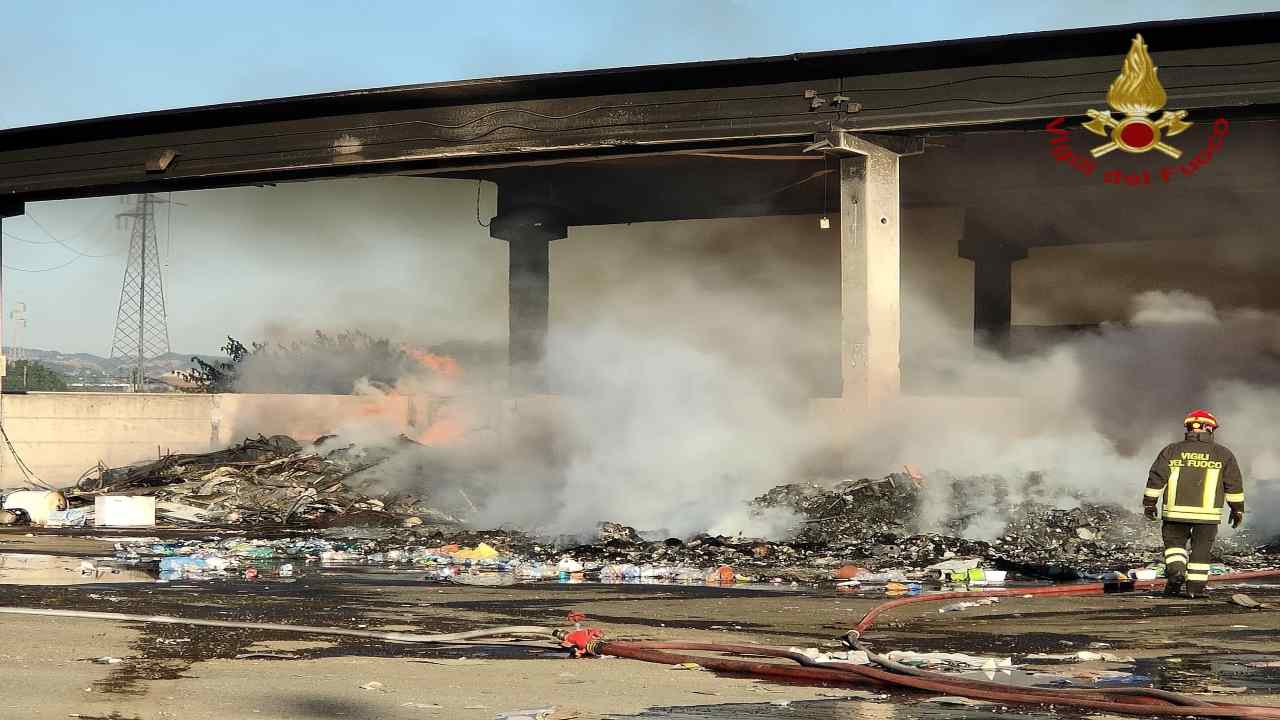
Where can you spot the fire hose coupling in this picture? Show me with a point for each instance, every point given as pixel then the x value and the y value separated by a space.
pixel 583 641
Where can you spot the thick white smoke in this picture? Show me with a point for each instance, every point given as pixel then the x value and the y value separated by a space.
pixel 1092 412
pixel 676 437
pixel 685 356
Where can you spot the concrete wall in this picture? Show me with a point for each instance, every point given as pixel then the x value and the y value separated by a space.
pixel 60 435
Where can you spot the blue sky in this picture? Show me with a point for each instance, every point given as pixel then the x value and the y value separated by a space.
pixel 68 60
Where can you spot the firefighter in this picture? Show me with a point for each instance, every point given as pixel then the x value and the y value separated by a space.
pixel 1194 477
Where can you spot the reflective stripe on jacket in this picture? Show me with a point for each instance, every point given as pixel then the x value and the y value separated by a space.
pixel 1195 478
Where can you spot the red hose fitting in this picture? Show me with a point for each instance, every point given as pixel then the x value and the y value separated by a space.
pixel 582 642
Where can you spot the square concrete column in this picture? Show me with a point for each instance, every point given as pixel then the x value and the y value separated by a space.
pixel 528 232
pixel 870 290
pixel 993 258
pixel 8 208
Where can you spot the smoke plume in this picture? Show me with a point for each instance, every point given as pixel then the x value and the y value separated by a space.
pixel 685 357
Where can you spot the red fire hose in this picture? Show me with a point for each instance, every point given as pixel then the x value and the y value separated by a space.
pixel 1072 589
pixel 1134 701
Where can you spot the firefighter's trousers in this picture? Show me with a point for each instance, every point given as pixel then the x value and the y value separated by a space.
pixel 1181 566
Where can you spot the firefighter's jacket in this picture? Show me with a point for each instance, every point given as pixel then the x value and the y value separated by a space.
pixel 1195 477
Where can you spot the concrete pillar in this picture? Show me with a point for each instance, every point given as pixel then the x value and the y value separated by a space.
pixel 8 208
pixel 528 232
pixel 870 228
pixel 993 260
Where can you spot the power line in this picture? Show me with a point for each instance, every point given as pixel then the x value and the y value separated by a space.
pixel 50 235
pixel 79 253
pixel 41 270
pixel 11 236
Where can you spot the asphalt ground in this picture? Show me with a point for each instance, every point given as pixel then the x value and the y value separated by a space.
pixel 55 667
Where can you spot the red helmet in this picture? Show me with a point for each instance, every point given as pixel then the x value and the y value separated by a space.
pixel 1200 420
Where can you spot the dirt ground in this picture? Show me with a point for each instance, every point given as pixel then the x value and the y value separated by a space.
pixel 54 667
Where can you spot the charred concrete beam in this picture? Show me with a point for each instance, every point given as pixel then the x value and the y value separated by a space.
pixel 11 208
pixel 454 126
pixel 843 142
pixel 528 231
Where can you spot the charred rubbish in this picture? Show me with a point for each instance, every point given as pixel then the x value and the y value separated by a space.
pixel 274 480
pixel 338 503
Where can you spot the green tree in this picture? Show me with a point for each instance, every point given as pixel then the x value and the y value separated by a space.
pixel 34 375
pixel 220 376
pixel 320 364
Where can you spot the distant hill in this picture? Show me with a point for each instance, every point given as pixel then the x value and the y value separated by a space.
pixel 86 366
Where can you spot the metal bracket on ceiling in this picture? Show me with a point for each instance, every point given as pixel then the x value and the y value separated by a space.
pixel 160 162
pixel 839 103
pixel 844 143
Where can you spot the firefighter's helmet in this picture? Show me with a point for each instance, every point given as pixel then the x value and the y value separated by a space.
pixel 1198 420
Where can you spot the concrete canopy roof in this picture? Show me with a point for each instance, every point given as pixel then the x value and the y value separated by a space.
pixel 1227 62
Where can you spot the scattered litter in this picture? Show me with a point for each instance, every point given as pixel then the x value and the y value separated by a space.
pixel 33 506
pixel 849 572
pixel 966 604
pixel 1245 601
pixel 950 566
pixel 543 713
pixel 374 685
pixel 687 666
pixel 854 695
pixel 960 701
pixel 124 511
pixel 1081 656
pixel 850 657
pixel 421 706
pixel 452 662
pixel 261 480
pixel 949 660
pixel 1226 689
pixel 73 517
pixel 108 660
pixel 1264 664
pixel 856 532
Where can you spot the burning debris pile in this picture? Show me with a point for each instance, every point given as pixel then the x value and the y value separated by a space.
pixel 269 481
pixel 879 523
pixel 888 526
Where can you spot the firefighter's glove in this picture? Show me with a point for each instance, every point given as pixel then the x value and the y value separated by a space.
pixel 1151 512
pixel 1236 518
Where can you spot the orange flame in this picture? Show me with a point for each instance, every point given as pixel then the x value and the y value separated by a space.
pixel 444 425
pixel 444 365
pixel 443 432
pixel 1137 90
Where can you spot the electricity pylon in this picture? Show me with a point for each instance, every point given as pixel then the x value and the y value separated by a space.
pixel 142 328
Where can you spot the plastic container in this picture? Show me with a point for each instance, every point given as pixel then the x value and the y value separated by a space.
pixel 37 503
pixel 124 511
pixel 996 576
